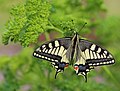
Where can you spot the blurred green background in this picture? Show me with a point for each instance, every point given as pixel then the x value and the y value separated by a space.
pixel 20 71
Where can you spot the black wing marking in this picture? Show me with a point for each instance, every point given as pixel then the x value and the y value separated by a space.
pixel 55 52
pixel 94 54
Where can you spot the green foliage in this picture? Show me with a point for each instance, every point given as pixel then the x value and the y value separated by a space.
pixel 34 17
pixel 109 29
pixel 108 32
pixel 27 22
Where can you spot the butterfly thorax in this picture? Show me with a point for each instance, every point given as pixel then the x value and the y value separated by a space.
pixel 71 51
pixel 74 52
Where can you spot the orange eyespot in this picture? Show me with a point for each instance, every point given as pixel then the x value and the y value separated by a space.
pixel 75 68
pixel 66 65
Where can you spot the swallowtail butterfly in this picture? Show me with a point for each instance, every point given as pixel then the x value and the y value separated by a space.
pixel 82 54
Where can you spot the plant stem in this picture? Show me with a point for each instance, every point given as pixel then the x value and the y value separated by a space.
pixel 47 36
pixel 53 28
pixel 50 23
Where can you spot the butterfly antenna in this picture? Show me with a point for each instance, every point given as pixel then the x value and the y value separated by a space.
pixel 83 26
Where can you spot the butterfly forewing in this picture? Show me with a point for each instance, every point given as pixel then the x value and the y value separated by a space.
pixel 94 54
pixel 54 51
